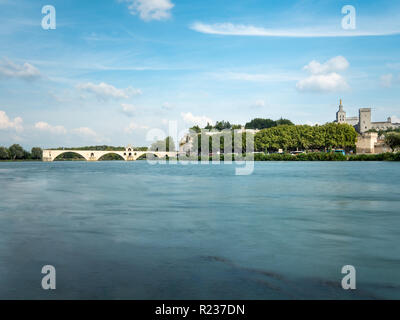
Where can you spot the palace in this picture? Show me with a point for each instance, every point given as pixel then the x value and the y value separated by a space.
pixel 363 122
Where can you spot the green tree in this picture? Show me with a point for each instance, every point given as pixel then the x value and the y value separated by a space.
pixel 260 124
pixel 36 153
pixel 163 145
pixel 4 154
pixel 16 152
pixel 304 137
pixel 195 129
pixel 393 140
pixel 282 121
pixel 222 125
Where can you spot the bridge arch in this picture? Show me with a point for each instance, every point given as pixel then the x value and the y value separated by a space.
pixel 144 154
pixel 111 154
pixel 56 155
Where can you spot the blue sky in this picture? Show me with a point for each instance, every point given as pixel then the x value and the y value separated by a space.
pixel 114 69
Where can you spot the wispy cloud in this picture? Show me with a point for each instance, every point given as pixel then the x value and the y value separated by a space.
pixel 45 127
pixel 255 77
pixel 389 80
pixel 25 71
pixel 133 126
pixel 105 91
pixel 128 109
pixel 230 29
pixel 150 9
pixel 85 131
pixel 191 119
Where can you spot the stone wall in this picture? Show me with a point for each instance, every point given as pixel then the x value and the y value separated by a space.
pixel 366 143
pixel 370 143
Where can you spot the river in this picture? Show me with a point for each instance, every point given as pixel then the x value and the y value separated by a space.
pixel 133 230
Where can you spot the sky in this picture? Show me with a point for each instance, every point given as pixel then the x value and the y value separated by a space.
pixel 114 70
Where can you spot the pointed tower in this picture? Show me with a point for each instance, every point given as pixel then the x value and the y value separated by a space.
pixel 341 114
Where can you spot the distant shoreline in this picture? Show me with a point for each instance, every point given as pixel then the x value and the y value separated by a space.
pixel 309 157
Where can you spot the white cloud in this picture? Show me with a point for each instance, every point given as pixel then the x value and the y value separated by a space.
pixel 190 119
pixel 134 126
pixel 105 91
pixel 25 71
pixel 335 64
pixel 44 126
pixel 85 131
pixel 231 29
pixel 150 9
pixel 6 123
pixel 89 135
pixel 323 83
pixel 324 76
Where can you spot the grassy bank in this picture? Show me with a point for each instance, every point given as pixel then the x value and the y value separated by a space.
pixel 376 157
pixel 328 157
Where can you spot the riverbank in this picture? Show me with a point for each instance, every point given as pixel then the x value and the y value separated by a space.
pixel 322 156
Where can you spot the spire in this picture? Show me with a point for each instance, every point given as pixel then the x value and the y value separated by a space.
pixel 340 105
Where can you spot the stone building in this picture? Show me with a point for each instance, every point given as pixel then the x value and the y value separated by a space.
pixel 371 143
pixel 363 122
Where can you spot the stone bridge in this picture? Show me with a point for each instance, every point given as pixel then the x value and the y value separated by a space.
pixel 93 155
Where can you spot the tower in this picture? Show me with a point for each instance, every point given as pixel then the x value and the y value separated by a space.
pixel 365 120
pixel 341 114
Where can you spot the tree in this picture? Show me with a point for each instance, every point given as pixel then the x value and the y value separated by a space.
pixel 169 142
pixel 4 154
pixel 16 152
pixel 195 129
pixel 304 137
pixel 163 145
pixel 36 153
pixel 282 121
pixel 260 124
pixel 221 125
pixel 393 140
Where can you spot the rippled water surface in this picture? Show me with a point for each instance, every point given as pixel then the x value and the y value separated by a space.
pixel 118 230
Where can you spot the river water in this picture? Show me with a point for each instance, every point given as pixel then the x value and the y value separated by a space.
pixel 132 230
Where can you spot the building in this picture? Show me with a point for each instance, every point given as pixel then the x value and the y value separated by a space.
pixel 363 122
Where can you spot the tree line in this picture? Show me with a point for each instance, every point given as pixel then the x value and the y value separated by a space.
pixel 257 123
pixel 305 137
pixel 260 123
pixel 286 137
pixel 16 152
